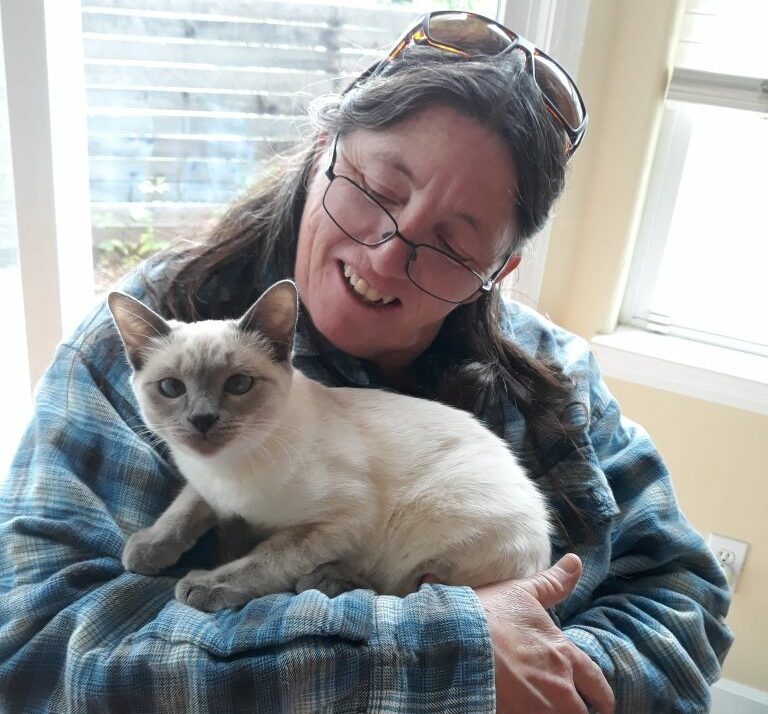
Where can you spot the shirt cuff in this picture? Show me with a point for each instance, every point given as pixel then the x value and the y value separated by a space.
pixel 431 651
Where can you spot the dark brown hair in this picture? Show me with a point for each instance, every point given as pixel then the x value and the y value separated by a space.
pixel 470 364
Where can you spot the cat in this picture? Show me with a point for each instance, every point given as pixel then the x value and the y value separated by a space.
pixel 346 487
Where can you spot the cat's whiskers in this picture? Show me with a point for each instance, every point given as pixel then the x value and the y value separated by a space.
pixel 251 442
pixel 254 470
pixel 275 427
pixel 261 446
pixel 284 445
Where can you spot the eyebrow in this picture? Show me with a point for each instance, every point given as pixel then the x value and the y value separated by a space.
pixel 398 165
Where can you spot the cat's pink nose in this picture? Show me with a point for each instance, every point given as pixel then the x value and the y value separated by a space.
pixel 203 422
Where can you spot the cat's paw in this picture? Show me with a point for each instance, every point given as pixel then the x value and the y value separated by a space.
pixel 202 590
pixel 147 554
pixel 332 579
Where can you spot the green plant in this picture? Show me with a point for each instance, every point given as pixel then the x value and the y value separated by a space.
pixel 116 256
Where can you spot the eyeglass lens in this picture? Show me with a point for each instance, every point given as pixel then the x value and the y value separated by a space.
pixel 366 222
pixel 556 86
pixel 467 32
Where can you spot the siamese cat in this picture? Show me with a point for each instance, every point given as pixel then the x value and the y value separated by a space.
pixel 345 487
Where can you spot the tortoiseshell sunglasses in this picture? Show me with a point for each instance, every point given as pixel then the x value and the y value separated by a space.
pixel 468 35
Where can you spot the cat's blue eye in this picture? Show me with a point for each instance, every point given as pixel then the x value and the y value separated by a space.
pixel 238 384
pixel 171 387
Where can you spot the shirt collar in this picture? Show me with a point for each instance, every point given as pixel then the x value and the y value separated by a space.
pixel 306 350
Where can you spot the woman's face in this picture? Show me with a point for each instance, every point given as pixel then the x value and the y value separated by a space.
pixel 449 183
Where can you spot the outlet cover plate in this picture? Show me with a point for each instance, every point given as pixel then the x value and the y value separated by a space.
pixel 730 553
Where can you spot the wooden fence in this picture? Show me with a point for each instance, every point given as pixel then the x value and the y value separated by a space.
pixel 188 98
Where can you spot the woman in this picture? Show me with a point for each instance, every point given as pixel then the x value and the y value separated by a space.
pixel 398 217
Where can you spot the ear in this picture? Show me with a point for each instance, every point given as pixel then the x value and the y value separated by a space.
pixel 321 156
pixel 137 324
pixel 512 262
pixel 322 141
pixel 509 266
pixel 274 315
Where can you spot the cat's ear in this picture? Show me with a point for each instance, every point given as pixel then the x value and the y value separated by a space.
pixel 274 315
pixel 137 325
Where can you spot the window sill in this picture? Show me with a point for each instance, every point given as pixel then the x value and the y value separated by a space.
pixel 716 374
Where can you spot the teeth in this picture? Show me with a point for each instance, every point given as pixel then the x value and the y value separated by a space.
pixel 361 287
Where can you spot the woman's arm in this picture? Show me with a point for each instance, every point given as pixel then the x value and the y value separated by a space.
pixel 655 624
pixel 78 633
pixel 650 606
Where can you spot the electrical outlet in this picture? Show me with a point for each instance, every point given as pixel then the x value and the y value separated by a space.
pixel 730 553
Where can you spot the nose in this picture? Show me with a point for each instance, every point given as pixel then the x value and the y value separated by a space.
pixel 389 259
pixel 203 422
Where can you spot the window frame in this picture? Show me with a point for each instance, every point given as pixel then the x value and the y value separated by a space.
pixel 558 27
pixel 45 77
pixel 688 86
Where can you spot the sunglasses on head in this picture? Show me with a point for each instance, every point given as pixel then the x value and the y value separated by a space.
pixel 467 34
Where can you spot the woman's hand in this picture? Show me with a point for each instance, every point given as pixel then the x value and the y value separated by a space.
pixel 537 668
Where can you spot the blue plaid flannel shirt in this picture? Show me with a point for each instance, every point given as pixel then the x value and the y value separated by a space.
pixel 80 634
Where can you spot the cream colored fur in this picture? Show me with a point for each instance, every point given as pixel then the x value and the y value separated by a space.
pixel 392 487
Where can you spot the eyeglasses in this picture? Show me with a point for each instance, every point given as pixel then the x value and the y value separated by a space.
pixel 363 219
pixel 467 34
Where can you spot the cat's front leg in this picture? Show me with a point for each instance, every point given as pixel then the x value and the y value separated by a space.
pixel 214 590
pixel 152 549
pixel 274 565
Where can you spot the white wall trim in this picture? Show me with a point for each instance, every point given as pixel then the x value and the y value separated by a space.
pixel 693 369
pixel 42 44
pixel 719 90
pixel 729 697
pixel 557 26
pixel 23 24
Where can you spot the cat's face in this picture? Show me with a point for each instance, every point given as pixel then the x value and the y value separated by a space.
pixel 218 384
pixel 211 387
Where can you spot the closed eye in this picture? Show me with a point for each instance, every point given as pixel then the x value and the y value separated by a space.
pixel 445 246
pixel 383 200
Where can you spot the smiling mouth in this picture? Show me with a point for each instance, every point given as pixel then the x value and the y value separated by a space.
pixel 363 291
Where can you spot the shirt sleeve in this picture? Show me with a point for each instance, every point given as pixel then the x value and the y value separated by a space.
pixel 655 620
pixel 80 634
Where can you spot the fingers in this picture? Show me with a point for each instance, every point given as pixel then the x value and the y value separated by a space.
pixel 591 683
pixel 554 584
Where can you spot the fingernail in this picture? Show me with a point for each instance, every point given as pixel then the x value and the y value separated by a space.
pixel 569 562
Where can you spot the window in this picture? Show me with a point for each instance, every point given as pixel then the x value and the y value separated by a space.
pixel 163 110
pixel 187 103
pixel 699 266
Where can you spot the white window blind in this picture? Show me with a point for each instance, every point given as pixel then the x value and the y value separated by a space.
pixel 724 36
pixel 699 266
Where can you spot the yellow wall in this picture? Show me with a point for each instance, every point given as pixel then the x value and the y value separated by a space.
pixel 718 455
pixel 718 458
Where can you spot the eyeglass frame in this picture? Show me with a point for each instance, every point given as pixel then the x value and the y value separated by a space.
pixel 517 41
pixel 486 284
